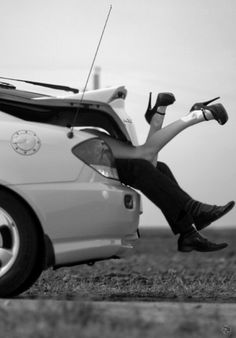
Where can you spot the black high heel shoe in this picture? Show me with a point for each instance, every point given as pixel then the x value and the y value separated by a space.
pixel 163 99
pixel 218 112
pixel 200 105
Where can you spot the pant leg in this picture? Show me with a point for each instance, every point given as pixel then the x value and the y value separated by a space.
pixel 158 188
pixel 165 169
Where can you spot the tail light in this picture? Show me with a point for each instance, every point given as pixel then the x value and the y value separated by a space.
pixel 97 154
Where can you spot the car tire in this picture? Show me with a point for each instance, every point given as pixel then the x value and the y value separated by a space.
pixel 19 246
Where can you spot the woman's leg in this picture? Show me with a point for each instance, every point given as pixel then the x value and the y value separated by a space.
pixel 157 140
pixel 163 136
pixel 156 123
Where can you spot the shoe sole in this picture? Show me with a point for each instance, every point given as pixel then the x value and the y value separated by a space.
pixel 191 248
pixel 229 207
pixel 219 113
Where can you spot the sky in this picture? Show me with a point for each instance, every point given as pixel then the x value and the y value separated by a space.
pixel 187 47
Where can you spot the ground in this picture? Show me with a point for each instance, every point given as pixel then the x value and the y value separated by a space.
pixel 157 291
pixel 155 271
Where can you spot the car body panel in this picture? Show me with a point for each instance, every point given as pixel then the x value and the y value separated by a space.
pixel 46 164
pixel 82 212
pixel 75 213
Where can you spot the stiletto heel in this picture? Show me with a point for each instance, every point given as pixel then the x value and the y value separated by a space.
pixel 210 101
pixel 150 101
pixel 199 105
pixel 163 99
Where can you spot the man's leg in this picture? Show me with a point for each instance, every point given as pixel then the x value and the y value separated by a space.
pixel 165 194
pixel 203 214
pixel 165 169
pixel 158 188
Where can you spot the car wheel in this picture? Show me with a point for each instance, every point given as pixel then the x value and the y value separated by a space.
pixel 19 246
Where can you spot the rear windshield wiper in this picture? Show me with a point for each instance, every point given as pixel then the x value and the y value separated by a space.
pixel 6 85
pixel 42 84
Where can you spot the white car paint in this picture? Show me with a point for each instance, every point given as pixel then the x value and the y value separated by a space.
pixel 109 96
pixel 82 212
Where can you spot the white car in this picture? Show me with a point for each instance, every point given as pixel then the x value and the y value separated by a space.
pixel 61 201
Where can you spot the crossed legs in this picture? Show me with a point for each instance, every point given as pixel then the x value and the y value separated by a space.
pixel 157 139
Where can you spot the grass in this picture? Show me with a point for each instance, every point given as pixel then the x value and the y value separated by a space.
pixel 155 271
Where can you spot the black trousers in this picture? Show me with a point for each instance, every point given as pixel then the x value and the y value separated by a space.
pixel 159 186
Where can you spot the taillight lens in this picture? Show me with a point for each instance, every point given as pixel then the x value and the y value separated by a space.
pixel 96 153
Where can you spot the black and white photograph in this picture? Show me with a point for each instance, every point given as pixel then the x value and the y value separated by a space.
pixel 117 168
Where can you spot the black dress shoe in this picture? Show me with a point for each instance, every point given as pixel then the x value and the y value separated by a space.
pixel 204 214
pixel 198 243
pixel 163 99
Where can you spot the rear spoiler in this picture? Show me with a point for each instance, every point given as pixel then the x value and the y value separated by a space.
pixel 105 95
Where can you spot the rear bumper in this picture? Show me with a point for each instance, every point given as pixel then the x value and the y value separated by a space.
pixel 85 221
pixel 90 251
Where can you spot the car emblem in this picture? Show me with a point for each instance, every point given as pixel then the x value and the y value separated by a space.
pixel 25 142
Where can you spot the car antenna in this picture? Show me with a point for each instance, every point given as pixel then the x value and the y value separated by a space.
pixel 70 134
pixel 43 84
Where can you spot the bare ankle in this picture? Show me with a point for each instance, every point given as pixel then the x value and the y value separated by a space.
pixel 195 116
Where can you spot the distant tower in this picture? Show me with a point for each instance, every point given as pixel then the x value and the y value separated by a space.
pixel 96 78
